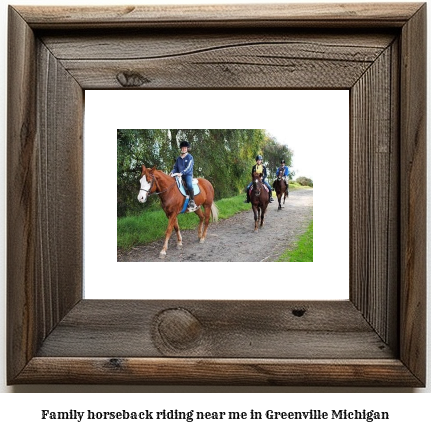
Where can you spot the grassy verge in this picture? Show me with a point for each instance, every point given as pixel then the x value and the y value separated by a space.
pixel 151 226
pixel 303 251
pixel 293 185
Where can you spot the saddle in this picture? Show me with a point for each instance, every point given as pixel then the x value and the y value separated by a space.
pixel 182 189
pixel 263 184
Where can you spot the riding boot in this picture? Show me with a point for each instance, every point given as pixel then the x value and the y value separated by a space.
pixel 271 199
pixel 247 199
pixel 192 206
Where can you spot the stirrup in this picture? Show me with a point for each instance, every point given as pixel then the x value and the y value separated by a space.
pixel 192 206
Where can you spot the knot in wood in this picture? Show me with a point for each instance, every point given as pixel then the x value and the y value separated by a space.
pixel 178 329
pixel 131 79
pixel 298 312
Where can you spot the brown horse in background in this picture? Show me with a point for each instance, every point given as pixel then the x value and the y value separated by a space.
pixel 281 189
pixel 157 182
pixel 259 198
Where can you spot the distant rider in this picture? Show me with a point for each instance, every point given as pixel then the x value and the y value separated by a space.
pixel 184 168
pixel 260 169
pixel 285 170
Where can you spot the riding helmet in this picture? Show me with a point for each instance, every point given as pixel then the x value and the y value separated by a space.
pixel 259 157
pixel 184 144
pixel 282 161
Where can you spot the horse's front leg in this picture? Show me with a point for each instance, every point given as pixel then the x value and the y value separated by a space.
pixel 255 218
pixel 262 217
pixel 171 223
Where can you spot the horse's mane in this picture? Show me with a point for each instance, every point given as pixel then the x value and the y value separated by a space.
pixel 154 170
pixel 161 172
pixel 256 176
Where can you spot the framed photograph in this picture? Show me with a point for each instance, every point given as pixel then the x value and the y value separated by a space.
pixel 232 247
pixel 376 337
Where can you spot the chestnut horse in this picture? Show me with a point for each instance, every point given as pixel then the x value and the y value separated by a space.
pixel 259 198
pixel 157 182
pixel 281 189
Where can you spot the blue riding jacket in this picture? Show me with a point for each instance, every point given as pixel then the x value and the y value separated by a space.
pixel 286 171
pixel 184 166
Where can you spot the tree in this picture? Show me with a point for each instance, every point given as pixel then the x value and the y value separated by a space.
pixel 274 152
pixel 223 156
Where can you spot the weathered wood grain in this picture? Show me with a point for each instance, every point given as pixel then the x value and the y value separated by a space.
pixel 413 171
pixel 235 329
pixel 191 59
pixel 375 338
pixel 59 184
pixel 139 45
pixel 196 371
pixel 45 106
pixel 21 196
pixel 373 251
pixel 310 15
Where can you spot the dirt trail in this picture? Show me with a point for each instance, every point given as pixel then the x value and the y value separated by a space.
pixel 234 239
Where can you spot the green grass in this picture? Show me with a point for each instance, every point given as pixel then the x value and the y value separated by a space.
pixel 151 225
pixel 228 207
pixel 303 252
pixel 293 185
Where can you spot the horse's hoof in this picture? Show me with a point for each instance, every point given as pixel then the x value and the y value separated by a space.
pixel 162 254
pixel 179 246
pixel 202 240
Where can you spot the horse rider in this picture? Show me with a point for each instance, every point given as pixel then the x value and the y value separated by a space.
pixel 260 169
pixel 285 170
pixel 184 168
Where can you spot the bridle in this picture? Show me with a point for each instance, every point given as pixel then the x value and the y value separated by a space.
pixel 154 180
pixel 257 189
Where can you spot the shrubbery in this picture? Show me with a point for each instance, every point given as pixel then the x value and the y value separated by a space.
pixel 304 181
pixel 223 156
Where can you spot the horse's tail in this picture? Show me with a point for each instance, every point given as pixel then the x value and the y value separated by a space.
pixel 214 212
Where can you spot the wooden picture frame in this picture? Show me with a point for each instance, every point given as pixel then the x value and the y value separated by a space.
pixel 376 338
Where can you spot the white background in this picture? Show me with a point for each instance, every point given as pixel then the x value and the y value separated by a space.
pixel 23 410
pixel 314 123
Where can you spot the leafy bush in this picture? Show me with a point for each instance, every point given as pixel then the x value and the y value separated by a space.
pixel 223 156
pixel 304 181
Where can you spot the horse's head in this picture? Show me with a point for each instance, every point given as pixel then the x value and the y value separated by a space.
pixel 147 183
pixel 257 178
pixel 257 183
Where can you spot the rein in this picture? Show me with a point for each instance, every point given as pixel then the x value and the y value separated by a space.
pixel 153 179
